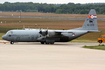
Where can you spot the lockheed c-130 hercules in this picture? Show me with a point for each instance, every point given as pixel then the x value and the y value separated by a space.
pixel 50 36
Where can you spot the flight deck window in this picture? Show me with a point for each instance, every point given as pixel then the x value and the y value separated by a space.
pixel 9 32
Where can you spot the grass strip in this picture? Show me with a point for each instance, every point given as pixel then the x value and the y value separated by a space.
pixel 99 47
pixel 1 34
pixel 83 41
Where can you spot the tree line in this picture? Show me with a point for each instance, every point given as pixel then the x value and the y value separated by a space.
pixel 69 8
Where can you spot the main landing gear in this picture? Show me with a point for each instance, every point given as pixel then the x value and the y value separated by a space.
pixel 47 42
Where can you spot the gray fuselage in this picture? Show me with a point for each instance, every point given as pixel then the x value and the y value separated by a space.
pixel 32 35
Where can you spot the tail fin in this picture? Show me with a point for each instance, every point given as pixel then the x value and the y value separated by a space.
pixel 90 23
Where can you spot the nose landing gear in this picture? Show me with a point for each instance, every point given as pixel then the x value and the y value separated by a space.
pixel 11 42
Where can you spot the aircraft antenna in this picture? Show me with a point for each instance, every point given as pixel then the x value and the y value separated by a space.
pixel 23 27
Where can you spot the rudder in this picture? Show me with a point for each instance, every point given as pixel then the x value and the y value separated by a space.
pixel 90 23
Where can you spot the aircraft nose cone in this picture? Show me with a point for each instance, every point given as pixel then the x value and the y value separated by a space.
pixel 4 37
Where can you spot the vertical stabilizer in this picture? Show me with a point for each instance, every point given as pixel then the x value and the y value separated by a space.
pixel 90 23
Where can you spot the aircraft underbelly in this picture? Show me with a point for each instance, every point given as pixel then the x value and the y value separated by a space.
pixel 64 39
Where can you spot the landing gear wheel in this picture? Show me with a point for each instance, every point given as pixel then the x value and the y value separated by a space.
pixel 42 42
pixel 47 43
pixel 11 42
pixel 52 43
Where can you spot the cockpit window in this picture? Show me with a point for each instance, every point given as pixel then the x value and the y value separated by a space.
pixel 9 32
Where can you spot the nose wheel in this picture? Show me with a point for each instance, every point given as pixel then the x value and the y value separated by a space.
pixel 11 42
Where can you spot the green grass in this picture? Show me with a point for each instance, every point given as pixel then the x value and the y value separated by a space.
pixel 1 34
pixel 99 47
pixel 83 41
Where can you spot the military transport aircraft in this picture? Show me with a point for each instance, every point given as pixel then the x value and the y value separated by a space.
pixel 50 36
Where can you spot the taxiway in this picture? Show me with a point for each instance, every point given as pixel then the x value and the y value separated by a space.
pixel 60 56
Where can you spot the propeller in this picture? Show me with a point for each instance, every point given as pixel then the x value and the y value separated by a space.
pixel 47 32
pixel 40 31
pixel 44 33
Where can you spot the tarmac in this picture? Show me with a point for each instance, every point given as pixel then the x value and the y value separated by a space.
pixel 60 56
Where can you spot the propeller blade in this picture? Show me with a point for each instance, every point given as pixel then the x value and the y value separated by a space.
pixel 40 31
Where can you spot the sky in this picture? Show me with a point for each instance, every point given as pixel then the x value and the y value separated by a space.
pixel 55 1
